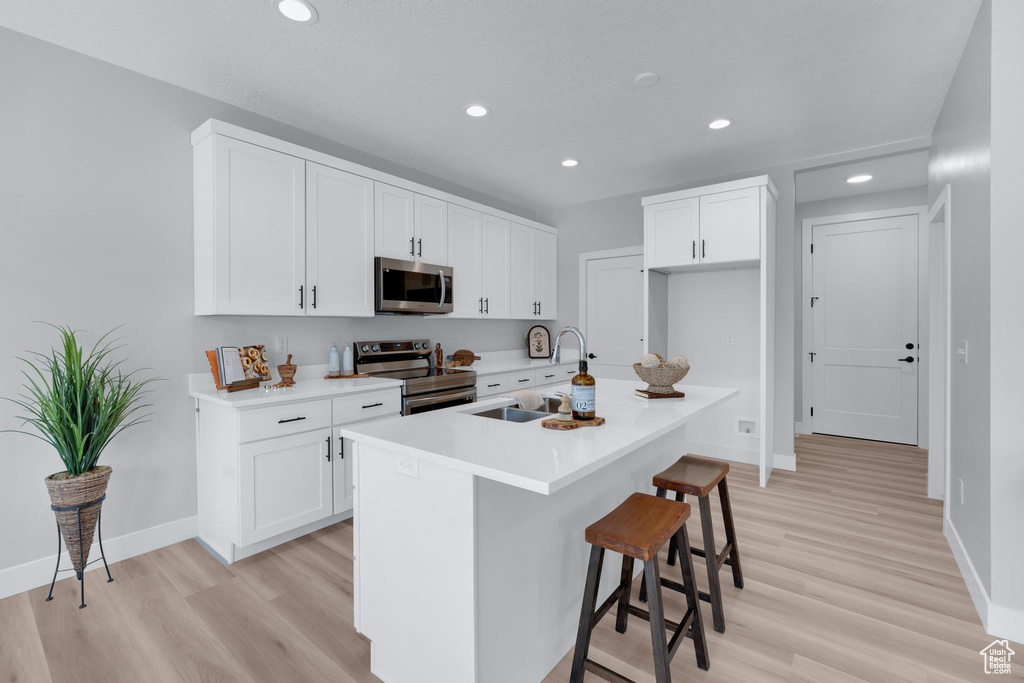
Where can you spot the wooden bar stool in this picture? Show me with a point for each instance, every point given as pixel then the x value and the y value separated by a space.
pixel 697 476
pixel 639 529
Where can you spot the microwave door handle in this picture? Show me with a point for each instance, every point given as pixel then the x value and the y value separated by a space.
pixel 440 274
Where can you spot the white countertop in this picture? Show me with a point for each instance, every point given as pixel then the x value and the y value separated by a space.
pixel 487 366
pixel 305 389
pixel 529 456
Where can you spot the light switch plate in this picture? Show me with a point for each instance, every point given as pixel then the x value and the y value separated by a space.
pixel 961 351
pixel 409 466
pixel 730 339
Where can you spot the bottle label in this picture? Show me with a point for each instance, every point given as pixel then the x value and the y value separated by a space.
pixel 583 398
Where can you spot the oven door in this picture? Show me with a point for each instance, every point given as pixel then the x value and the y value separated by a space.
pixel 411 287
pixel 424 403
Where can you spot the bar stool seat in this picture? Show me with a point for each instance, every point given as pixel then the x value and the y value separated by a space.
pixel 638 529
pixel 692 474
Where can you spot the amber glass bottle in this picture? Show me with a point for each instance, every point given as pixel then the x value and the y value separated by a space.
pixel 583 394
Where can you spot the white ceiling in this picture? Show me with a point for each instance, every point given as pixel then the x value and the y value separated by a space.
pixel 887 173
pixel 801 79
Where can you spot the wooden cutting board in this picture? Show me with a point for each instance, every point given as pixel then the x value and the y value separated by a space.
pixel 555 423
pixel 464 357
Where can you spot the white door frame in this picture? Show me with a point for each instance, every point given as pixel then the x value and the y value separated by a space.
pixel 921 212
pixel 597 256
pixel 940 362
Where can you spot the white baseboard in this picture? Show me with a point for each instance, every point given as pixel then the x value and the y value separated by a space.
pixel 785 461
pixel 35 573
pixel 713 450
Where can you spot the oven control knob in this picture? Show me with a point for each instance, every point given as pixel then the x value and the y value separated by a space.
pixel 376 347
pixel 364 348
pixel 416 345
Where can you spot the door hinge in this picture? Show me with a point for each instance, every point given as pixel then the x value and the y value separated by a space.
pixel 812 354
pixel 813 299
pixel 812 411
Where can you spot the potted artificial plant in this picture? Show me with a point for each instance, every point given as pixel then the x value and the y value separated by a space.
pixel 77 403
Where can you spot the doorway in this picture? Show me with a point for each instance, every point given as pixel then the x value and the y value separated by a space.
pixel 862 336
pixel 612 310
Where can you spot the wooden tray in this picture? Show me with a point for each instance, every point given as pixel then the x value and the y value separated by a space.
pixel 555 423
pixel 643 393
pixel 355 376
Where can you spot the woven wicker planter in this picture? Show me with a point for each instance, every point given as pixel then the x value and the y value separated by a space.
pixel 660 380
pixel 72 492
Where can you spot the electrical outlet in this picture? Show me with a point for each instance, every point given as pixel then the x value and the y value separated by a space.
pixel 281 345
pixel 961 351
pixel 462 338
pixel 961 490
pixel 730 339
pixel 409 466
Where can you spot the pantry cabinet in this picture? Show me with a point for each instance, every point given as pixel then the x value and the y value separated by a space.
pixel 479 255
pixel 534 257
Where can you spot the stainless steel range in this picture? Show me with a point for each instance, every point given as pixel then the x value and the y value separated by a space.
pixel 424 387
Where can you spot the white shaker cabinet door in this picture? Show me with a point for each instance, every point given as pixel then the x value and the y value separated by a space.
pixel 730 226
pixel 259 230
pixel 431 230
pixel 524 304
pixel 494 266
pixel 342 472
pixel 671 233
pixel 284 483
pixel 394 222
pixel 339 243
pixel 464 233
pixel 545 274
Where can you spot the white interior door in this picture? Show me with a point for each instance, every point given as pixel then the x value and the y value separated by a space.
pixel 615 315
pixel 864 322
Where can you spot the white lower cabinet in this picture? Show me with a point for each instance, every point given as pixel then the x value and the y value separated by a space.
pixel 504 382
pixel 343 484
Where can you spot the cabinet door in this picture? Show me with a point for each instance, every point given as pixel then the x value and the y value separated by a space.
pixel 671 233
pixel 342 472
pixel 285 483
pixel 730 226
pixel 339 242
pixel 394 222
pixel 431 230
pixel 521 282
pixel 464 231
pixel 494 266
pixel 260 229
pixel 545 274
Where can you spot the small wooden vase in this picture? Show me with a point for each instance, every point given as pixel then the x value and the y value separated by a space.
pixel 287 372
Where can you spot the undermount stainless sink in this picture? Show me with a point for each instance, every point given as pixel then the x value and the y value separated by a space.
pixel 513 414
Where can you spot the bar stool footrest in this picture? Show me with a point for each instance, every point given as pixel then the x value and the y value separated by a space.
pixel 678 587
pixel 604 672
pixel 723 557
pixel 607 605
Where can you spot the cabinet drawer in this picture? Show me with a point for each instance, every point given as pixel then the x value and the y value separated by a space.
pixel 552 375
pixel 505 382
pixel 282 420
pixel 367 406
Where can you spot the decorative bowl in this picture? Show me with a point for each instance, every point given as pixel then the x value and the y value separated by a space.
pixel 660 380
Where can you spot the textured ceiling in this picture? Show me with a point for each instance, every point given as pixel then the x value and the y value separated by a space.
pixel 801 78
pixel 887 173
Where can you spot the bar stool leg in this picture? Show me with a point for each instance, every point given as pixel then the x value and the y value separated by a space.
pixel 672 549
pixel 700 645
pixel 661 662
pixel 587 613
pixel 710 558
pixel 627 581
pixel 730 534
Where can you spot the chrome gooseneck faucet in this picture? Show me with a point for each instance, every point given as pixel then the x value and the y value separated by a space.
pixel 555 358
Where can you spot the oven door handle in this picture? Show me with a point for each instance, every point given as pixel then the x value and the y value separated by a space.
pixel 440 274
pixel 441 397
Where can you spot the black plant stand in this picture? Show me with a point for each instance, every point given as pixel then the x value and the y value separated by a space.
pixel 81 547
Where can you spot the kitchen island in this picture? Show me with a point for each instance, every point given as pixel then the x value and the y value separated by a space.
pixel 469 550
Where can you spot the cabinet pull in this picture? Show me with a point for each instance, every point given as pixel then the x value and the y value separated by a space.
pixel 703 249
pixel 491 386
pixel 538 308
pixel 328 449
pixel 372 405
pixel 421 249
pixel 300 296
pixel 341 447
pixel 487 306
pixel 535 308
pixel 525 380
pixel 412 246
pixel 548 376
pixel 694 254
pixel 481 304
pixel 314 296
pixel 291 419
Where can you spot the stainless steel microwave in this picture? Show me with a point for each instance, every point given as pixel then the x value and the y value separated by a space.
pixel 411 287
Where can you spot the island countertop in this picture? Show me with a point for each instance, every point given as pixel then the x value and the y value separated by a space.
pixel 528 456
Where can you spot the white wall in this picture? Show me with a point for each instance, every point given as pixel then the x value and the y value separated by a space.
pixel 871 201
pixel 960 156
pixel 96 218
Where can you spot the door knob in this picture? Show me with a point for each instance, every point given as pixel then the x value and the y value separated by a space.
pixel 590 355
pixel 908 359
pixel 910 345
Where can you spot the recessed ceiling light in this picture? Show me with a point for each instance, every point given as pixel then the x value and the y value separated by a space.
pixel 476 110
pixel 646 80
pixel 569 163
pixel 297 10
pixel 860 178
pixel 718 124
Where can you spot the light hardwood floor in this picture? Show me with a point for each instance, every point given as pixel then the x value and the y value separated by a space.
pixel 848 578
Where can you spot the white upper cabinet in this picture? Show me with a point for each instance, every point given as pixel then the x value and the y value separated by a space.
pixel 431 226
pixel 250 226
pixel 705 226
pixel 671 232
pixel 494 266
pixel 394 222
pixel 339 243
pixel 534 256
pixel 730 226
pixel 464 227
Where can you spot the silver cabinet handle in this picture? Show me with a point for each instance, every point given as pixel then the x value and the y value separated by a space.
pixel 440 274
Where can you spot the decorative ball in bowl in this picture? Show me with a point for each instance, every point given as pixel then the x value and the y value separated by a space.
pixel 660 379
